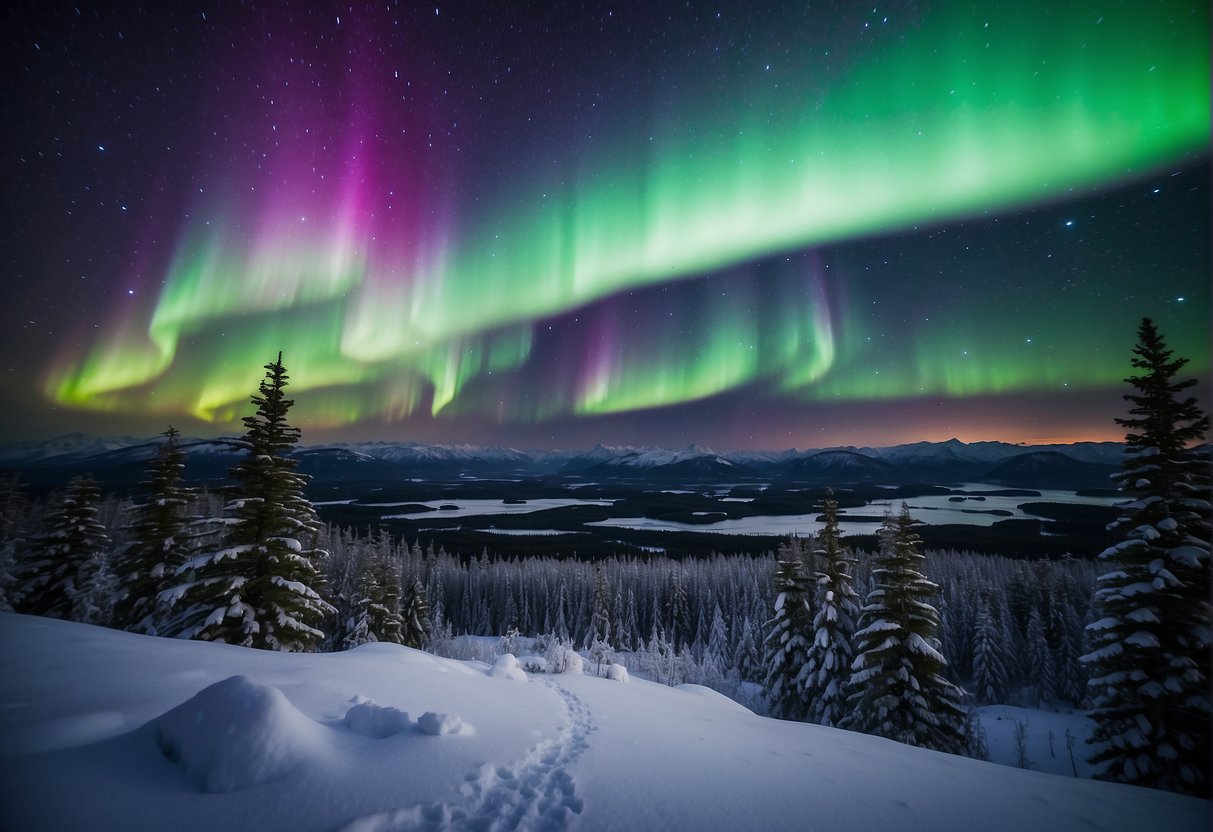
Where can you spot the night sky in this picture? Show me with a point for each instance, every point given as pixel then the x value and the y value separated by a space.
pixel 743 225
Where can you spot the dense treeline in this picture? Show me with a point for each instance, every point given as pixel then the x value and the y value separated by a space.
pixel 676 601
pixel 1012 629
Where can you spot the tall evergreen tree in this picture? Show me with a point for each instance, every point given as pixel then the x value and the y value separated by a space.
pixel 1149 665
pixel 356 627
pixel 98 587
pixel 717 649
pixel 263 588
pixel 14 516
pixel 629 633
pixel 989 656
pixel 1040 660
pixel 55 574
pixel 1071 680
pixel 789 634
pixel 161 542
pixel 374 610
pixel 827 667
pixel 897 682
pixel 747 658
pixel 561 627
pixel 390 623
pixel 679 611
pixel 415 630
pixel 600 623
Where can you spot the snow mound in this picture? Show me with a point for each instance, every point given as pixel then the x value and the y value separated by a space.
pixel 618 672
pixel 438 724
pixel 376 721
pixel 237 734
pixel 507 667
pixel 533 664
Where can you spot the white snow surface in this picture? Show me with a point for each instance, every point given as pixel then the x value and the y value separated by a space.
pixel 84 710
pixel 1045 738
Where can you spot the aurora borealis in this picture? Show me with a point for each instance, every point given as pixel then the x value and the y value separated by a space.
pixel 751 225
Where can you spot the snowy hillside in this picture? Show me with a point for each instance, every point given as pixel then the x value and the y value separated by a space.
pixel 643 458
pixel 109 730
pixel 415 453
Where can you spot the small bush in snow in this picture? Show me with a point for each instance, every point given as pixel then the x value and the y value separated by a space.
pixel 562 658
pixel 533 664
pixel 507 667
pixel 617 672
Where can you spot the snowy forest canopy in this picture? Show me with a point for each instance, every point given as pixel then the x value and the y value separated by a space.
pixel 1012 629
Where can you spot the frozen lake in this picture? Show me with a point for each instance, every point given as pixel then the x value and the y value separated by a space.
pixel 935 509
pixel 474 508
pixel 967 504
pixel 938 509
pixel 783 525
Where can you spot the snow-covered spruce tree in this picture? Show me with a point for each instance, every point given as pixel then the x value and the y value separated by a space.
pixel 1149 663
pixel 989 665
pixel 678 610
pixel 747 657
pixel 148 565
pixel 390 624
pixel 1071 682
pixel 600 623
pixel 374 612
pixel 898 689
pixel 717 648
pixel 415 618
pixel 98 589
pixel 14 517
pixel 789 634
pixel 262 588
pixel 1040 661
pixel 828 664
pixel 55 574
pixel 357 625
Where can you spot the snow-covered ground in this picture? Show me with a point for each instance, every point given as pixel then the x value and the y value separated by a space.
pixel 1044 739
pixel 109 730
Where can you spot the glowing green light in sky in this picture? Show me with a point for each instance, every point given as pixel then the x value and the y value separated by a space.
pixel 973 110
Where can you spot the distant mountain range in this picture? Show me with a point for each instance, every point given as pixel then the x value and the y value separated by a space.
pixel 1080 465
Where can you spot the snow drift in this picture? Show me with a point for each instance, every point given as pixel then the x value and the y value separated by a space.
pixel 236 734
pixel 375 721
pixel 87 715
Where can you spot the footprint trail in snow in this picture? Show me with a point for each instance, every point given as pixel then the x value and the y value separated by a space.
pixel 536 793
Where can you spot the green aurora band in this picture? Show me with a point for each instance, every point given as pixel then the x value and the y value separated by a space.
pixel 973 111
